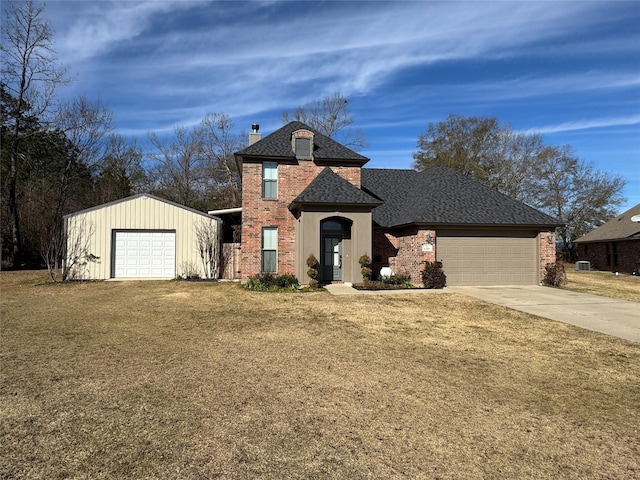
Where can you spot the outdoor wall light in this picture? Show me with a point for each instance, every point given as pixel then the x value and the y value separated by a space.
pixel 429 238
pixel 549 237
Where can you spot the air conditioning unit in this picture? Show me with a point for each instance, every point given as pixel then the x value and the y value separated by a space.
pixel 583 266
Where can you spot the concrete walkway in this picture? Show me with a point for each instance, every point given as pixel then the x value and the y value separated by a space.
pixel 619 318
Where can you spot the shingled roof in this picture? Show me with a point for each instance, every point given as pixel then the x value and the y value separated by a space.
pixel 440 196
pixel 329 188
pixel 277 145
pixel 619 228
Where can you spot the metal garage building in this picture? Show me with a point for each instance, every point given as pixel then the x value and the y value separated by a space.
pixel 142 236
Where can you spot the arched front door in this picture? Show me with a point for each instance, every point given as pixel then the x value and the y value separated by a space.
pixel 332 236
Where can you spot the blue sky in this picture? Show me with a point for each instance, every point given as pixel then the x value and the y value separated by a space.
pixel 569 70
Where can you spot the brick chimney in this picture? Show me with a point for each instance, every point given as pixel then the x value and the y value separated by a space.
pixel 254 136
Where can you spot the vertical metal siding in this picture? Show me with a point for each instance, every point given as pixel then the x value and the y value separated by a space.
pixel 138 214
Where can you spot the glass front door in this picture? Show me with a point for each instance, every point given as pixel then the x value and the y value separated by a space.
pixel 332 261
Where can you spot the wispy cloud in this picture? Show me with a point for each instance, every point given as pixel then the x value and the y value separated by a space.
pixel 587 124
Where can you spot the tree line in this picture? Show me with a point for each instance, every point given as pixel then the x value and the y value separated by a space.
pixel 60 157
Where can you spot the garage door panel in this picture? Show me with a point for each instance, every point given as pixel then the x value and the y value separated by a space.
pixel 473 258
pixel 140 254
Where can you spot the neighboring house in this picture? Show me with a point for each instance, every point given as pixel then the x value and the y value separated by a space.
pixel 304 193
pixel 141 236
pixel 615 245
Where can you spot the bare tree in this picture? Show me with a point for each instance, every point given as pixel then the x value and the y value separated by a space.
pixel 549 178
pixel 87 125
pixel 571 190
pixel 330 116
pixel 179 168
pixel 66 251
pixel 220 165
pixel 30 75
pixel 208 244
pixel 120 171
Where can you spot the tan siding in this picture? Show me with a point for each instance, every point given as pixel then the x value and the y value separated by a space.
pixel 137 214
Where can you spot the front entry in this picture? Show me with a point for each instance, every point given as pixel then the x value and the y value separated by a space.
pixel 332 258
pixel 333 232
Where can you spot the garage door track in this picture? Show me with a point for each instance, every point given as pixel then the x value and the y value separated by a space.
pixel 619 318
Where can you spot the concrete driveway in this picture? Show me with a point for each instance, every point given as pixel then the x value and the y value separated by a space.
pixel 601 314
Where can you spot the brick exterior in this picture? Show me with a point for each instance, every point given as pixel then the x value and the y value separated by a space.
pixel 628 255
pixel 402 251
pixel 547 249
pixel 293 178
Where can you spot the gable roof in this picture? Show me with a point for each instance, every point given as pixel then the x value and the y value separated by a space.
pixel 619 228
pixel 440 196
pixel 330 188
pixel 277 145
pixel 140 195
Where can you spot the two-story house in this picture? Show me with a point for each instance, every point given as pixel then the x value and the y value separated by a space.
pixel 304 193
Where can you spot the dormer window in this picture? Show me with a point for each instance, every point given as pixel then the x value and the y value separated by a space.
pixel 302 144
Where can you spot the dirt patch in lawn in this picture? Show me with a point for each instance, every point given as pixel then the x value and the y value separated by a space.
pixel 199 380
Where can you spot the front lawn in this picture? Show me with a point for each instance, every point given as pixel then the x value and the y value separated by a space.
pixel 606 284
pixel 199 380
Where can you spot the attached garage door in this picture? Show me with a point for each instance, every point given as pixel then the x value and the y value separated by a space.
pixel 481 258
pixel 145 254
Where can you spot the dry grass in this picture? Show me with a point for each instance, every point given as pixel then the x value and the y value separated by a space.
pixel 197 380
pixel 606 284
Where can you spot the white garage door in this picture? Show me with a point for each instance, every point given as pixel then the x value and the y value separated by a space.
pixel 145 254
pixel 479 258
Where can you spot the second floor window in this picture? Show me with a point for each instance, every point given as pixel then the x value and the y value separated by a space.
pixel 269 180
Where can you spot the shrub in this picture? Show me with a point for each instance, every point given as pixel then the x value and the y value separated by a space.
pixel 313 272
pixel 365 266
pixel 268 282
pixel 433 276
pixel 554 275
pixel 287 280
pixel 400 279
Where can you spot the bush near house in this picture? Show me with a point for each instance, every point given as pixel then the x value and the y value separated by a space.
pixel 393 282
pixel 554 275
pixel 268 282
pixel 433 276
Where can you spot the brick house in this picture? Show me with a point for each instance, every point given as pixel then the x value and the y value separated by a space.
pixel 303 193
pixel 615 245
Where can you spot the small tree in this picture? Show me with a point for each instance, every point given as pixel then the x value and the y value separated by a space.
pixel 365 266
pixel 208 244
pixel 313 272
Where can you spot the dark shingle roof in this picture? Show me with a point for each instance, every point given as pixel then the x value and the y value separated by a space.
pixel 330 188
pixel 278 145
pixel 619 228
pixel 439 196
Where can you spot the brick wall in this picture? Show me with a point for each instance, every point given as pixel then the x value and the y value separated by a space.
pixel 402 251
pixel 547 248
pixel 257 212
pixel 596 253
